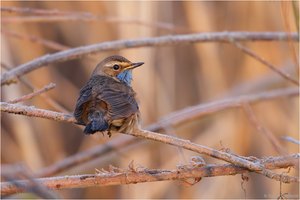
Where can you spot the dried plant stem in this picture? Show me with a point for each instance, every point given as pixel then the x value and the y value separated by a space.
pixel 28 10
pixel 47 43
pixel 48 16
pixel 31 111
pixel 290 139
pixel 193 112
pixel 265 62
pixel 143 42
pixel 46 88
pixel 86 156
pixel 140 175
pixel 263 130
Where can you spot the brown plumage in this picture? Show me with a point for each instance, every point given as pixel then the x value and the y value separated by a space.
pixel 107 102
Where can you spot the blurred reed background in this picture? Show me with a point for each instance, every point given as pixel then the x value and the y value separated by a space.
pixel 173 77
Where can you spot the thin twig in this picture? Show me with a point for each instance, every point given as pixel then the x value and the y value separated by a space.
pixel 46 88
pixel 143 42
pixel 140 175
pixel 194 112
pixel 45 15
pixel 265 62
pixel 14 173
pixel 28 10
pixel 290 139
pixel 45 42
pixel 85 156
pixel 263 130
pixel 47 99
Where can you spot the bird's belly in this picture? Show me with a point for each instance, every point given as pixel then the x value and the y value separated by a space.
pixel 118 122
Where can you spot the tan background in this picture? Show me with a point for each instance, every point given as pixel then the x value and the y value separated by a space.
pixel 172 78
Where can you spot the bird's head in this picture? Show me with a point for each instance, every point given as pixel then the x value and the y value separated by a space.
pixel 117 67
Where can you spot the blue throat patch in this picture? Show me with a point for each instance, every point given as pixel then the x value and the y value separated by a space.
pixel 126 77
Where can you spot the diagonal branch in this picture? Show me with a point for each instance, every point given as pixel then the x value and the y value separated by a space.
pixel 263 130
pixel 265 62
pixel 47 43
pixel 141 175
pixel 46 88
pixel 31 111
pixel 172 119
pixel 186 144
pixel 143 42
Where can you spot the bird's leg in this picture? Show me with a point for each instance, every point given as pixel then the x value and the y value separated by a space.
pixel 109 134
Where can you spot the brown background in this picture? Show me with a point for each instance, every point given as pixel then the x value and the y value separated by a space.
pixel 172 78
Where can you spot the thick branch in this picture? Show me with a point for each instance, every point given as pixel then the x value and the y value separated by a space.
pixel 133 176
pixel 31 111
pixel 143 42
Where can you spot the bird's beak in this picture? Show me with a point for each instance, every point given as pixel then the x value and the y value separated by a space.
pixel 134 65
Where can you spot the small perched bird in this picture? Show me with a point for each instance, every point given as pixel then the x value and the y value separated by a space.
pixel 107 103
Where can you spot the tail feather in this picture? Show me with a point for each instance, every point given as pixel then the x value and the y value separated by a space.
pixel 97 123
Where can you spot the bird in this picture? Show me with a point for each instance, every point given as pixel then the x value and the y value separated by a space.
pixel 107 103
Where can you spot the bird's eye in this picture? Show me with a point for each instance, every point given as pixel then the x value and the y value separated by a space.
pixel 116 67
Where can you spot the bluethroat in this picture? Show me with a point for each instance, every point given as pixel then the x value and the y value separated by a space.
pixel 107 102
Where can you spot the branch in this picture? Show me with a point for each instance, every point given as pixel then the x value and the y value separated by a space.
pixel 47 43
pixel 143 42
pixel 175 118
pixel 48 15
pixel 31 111
pixel 46 88
pixel 263 130
pixel 265 62
pixel 87 155
pixel 140 175
pixel 290 139
pixel 188 145
pixel 193 112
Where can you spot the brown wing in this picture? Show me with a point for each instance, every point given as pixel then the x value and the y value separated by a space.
pixel 102 92
pixel 87 100
pixel 119 97
pixel 82 105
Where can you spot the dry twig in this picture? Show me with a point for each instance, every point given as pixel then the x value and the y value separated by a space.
pixel 150 175
pixel 47 15
pixel 290 139
pixel 46 88
pixel 143 42
pixel 265 62
pixel 47 43
pixel 31 111
pixel 262 129
pixel 13 174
